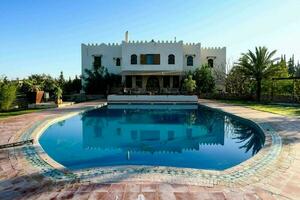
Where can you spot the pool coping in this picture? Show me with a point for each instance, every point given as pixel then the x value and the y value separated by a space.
pixel 247 172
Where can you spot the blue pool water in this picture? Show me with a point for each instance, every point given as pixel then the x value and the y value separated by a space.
pixel 188 136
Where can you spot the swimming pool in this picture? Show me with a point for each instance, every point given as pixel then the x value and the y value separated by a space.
pixel 188 136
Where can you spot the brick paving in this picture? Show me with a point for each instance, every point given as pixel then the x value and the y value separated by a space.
pixel 20 180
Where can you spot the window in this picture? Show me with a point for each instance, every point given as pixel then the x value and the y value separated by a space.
pixel 210 62
pixel 175 81
pixel 128 82
pixel 171 59
pixel 190 61
pixel 138 81
pixel 118 62
pixel 97 61
pixel 166 81
pixel 150 59
pixel 133 59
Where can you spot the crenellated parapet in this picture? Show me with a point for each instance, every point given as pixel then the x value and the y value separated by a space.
pixel 213 48
pixel 153 42
pixel 192 44
pixel 102 44
pixel 213 51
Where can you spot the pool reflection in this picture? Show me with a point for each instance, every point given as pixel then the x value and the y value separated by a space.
pixel 139 128
pixel 167 135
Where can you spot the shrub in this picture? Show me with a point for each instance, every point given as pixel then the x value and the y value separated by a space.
pixel 72 86
pixel 204 79
pixel 7 95
pixel 189 84
pixel 239 84
pixel 58 92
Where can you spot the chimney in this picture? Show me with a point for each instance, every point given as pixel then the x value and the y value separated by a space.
pixel 126 36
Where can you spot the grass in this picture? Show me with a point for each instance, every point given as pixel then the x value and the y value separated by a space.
pixel 287 110
pixel 16 112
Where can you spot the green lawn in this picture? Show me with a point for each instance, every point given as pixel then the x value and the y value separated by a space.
pixel 287 110
pixel 14 113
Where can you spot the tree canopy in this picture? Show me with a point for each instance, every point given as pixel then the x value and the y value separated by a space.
pixel 258 65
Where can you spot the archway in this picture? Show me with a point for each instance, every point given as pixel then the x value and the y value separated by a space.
pixel 152 84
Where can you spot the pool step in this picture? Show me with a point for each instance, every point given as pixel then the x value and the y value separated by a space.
pixel 157 99
pixel 15 144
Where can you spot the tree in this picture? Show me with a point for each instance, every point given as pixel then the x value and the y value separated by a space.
pixel 38 82
pixel 72 86
pixel 237 83
pixel 297 72
pixel 291 66
pixel 258 65
pixel 61 80
pixel 31 85
pixel 58 94
pixel 189 84
pixel 7 95
pixel 98 80
pixel 95 80
pixel 278 87
pixel 204 79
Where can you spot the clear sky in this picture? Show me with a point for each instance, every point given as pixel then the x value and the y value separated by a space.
pixel 44 36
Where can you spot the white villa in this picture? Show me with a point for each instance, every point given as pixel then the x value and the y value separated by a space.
pixel 153 64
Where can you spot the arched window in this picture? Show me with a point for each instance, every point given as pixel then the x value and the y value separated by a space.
pixel 118 62
pixel 133 59
pixel 190 61
pixel 171 59
pixel 210 62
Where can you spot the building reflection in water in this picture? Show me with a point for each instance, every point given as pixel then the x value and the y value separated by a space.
pixel 152 129
pixel 154 135
pixel 164 128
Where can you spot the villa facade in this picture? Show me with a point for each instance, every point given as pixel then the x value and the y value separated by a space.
pixel 153 64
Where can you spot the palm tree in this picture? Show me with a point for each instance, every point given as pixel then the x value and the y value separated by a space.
pixel 258 65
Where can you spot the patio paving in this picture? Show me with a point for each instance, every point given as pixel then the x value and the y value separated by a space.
pixel 19 180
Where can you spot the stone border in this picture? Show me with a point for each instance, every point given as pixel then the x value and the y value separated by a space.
pixel 248 172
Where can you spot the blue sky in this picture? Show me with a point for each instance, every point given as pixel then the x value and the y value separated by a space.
pixel 45 36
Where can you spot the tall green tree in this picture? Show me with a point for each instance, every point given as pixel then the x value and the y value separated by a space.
pixel 258 65
pixel 204 79
pixel 291 66
pixel 96 79
pixel 297 72
pixel 61 80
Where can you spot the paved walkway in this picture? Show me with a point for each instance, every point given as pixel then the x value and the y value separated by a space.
pixel 17 181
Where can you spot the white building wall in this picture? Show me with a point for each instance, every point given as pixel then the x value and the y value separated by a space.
pixel 164 49
pixel 219 60
pixel 195 51
pixel 219 69
pixel 107 52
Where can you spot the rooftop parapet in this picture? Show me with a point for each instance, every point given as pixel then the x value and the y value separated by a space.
pixel 153 41
pixel 213 48
pixel 192 44
pixel 102 44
